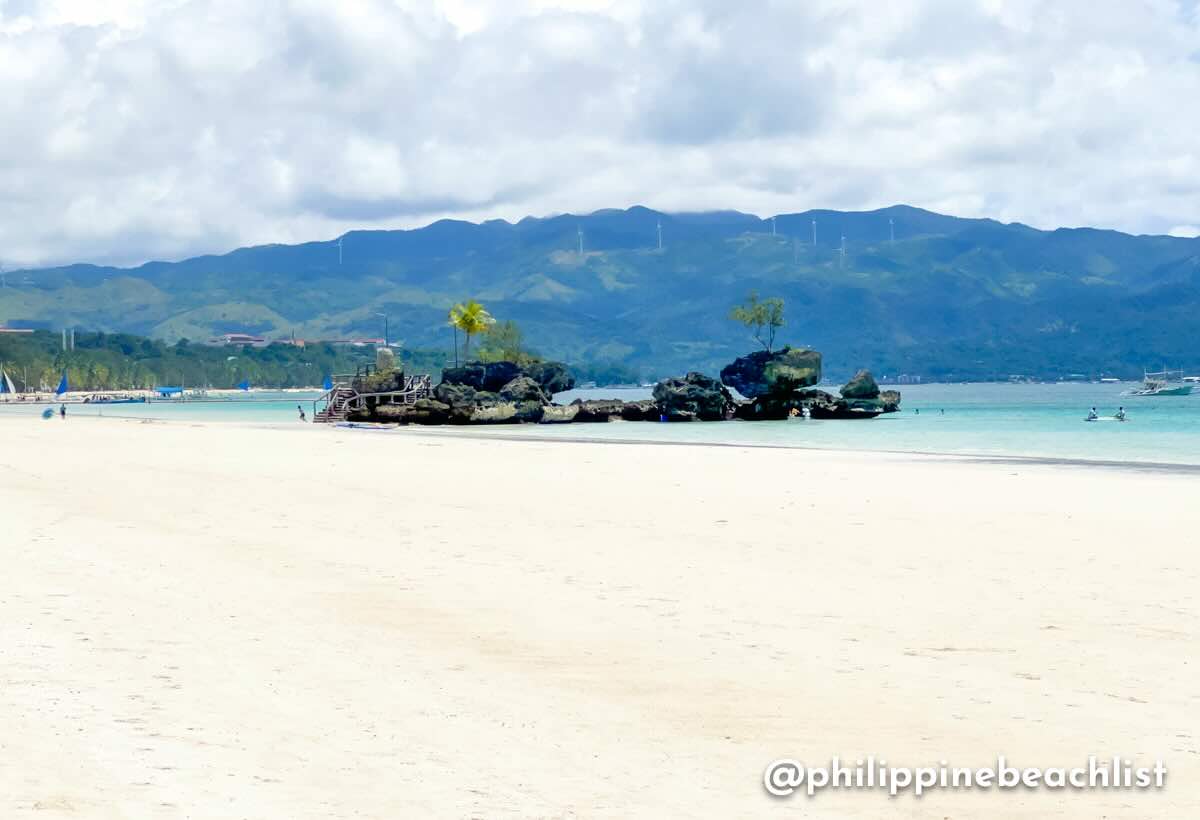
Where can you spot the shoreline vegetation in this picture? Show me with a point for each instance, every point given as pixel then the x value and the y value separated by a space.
pixel 114 362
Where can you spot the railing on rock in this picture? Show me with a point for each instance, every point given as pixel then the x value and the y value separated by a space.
pixel 343 399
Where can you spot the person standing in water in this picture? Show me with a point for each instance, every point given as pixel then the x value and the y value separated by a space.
pixel 62 411
pixel 302 416
pixel 1120 414
pixel 1092 415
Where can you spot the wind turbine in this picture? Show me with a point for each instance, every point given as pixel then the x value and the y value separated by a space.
pixel 814 233
pixel 660 234
pixel 579 230
pixel 340 238
pixel 892 229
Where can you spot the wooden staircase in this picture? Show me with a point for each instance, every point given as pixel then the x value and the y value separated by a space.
pixel 337 407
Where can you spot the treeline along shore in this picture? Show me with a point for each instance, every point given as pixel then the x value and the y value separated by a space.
pixel 37 360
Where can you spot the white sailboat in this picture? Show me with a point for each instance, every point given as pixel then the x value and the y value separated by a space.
pixel 6 384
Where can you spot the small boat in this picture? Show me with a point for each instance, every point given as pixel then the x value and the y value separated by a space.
pixel 115 400
pixel 1163 383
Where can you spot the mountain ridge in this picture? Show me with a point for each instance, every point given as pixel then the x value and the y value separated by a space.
pixel 950 297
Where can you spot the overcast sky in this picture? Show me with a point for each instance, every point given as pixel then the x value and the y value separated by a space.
pixel 136 129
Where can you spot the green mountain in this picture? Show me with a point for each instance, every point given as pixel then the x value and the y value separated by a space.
pixel 948 298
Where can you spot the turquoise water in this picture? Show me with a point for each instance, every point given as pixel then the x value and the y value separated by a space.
pixel 1044 420
pixel 262 407
pixel 991 419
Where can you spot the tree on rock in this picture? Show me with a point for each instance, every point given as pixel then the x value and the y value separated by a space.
pixel 471 318
pixel 763 316
pixel 504 341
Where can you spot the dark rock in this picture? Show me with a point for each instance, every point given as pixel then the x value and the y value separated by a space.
pixel 890 400
pixel 644 410
pixel 768 408
pixel 470 374
pixel 523 389
pixel 594 410
pixel 554 377
pixel 455 393
pixel 873 405
pixel 490 377
pixel 776 373
pixel 498 374
pixel 695 396
pixel 423 411
pixel 427 411
pixel 843 410
pixel 862 386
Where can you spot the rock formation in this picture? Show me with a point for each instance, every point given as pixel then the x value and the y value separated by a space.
pixel 862 386
pixel 778 384
pixel 781 383
pixel 604 410
pixel 863 395
pixel 552 377
pixel 774 374
pixel 694 397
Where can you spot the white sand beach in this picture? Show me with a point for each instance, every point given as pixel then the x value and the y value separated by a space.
pixel 217 621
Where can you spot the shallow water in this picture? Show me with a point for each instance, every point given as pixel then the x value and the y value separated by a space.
pixel 260 406
pixel 996 419
pixel 1044 420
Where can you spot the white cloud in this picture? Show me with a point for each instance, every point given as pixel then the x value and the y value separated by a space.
pixel 139 129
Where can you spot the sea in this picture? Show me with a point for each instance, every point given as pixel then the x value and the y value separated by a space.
pixel 1037 420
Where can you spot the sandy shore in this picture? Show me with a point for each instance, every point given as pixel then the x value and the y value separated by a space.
pixel 224 622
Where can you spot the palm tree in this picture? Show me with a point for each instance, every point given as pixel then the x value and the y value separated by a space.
pixel 470 317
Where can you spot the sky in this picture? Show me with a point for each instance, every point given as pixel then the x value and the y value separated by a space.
pixel 161 129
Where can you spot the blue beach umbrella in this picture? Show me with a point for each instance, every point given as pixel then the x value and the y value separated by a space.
pixel 328 383
pixel 244 384
pixel 63 387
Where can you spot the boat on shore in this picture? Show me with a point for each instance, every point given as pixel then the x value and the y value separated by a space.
pixel 103 399
pixel 1163 383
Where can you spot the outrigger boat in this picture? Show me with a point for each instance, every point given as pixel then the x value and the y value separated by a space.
pixel 1163 383
pixel 102 399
